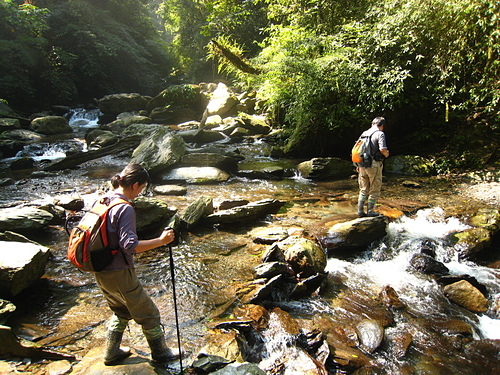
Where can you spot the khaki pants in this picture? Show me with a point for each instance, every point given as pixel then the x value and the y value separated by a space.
pixel 370 181
pixel 127 298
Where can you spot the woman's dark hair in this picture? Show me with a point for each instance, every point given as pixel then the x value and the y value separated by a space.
pixel 131 174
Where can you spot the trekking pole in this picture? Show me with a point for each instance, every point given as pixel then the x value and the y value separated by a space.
pixel 172 273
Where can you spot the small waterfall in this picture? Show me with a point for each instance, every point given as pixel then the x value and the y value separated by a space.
pixel 83 118
pixel 388 264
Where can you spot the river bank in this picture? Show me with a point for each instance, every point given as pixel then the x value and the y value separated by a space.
pixel 71 316
pixel 66 313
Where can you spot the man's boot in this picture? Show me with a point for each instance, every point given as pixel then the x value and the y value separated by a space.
pixel 160 352
pixel 113 352
pixel 361 210
pixel 371 206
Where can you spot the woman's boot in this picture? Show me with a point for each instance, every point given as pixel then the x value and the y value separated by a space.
pixel 113 353
pixel 160 352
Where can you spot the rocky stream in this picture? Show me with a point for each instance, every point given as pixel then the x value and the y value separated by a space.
pixel 274 272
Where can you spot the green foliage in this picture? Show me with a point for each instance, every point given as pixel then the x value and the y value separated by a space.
pixel 425 64
pixel 74 50
pixel 116 49
pixel 23 50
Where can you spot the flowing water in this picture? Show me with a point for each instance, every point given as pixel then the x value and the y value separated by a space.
pixel 211 262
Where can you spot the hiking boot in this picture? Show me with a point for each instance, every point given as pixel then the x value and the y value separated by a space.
pixel 361 212
pixel 160 352
pixel 113 353
pixel 370 212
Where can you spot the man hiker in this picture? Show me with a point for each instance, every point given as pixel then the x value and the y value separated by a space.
pixel 370 178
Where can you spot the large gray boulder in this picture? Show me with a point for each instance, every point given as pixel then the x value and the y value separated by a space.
pixel 21 265
pixel 210 159
pixel 222 100
pixel 24 219
pixel 115 104
pixel 305 257
pixel 354 234
pixel 152 214
pixel 196 175
pixel 197 210
pixel 246 214
pixel 325 168
pixel 159 151
pixel 9 124
pixel 412 165
pixel 50 125
pixel 186 95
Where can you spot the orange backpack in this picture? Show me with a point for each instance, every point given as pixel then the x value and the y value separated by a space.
pixel 88 242
pixel 361 153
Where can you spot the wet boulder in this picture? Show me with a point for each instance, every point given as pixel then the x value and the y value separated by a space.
pixel 370 333
pixel 21 265
pixel 196 175
pixel 230 345
pixel 487 218
pixel 115 104
pixel 222 100
pixel 152 214
pixel 124 120
pixel 466 295
pixel 172 114
pixel 50 125
pixel 201 136
pixel 269 235
pixel 22 163
pixel 306 287
pixel 24 219
pixel 469 242
pixel 170 190
pixel 244 215
pixel 270 269
pixel 69 202
pixel 100 138
pixel 354 234
pixel 11 346
pixel 207 364
pixel 410 165
pixel 196 211
pixel 255 123
pixel 245 368
pixel 185 95
pixel 428 265
pixel 159 151
pixel 304 256
pixel 325 168
pixel 6 310
pixel 210 159
pixel 7 124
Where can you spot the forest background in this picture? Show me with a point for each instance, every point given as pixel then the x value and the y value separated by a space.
pixel 323 68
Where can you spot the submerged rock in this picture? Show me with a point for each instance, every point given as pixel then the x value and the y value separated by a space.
pixel 370 333
pixel 466 295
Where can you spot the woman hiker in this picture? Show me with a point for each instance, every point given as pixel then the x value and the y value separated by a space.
pixel 118 282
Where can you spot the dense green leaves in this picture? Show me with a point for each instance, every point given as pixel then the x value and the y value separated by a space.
pixel 75 50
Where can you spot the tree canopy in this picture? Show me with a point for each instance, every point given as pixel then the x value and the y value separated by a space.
pixel 324 68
